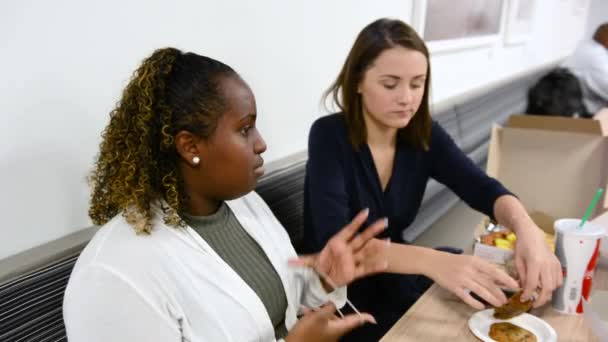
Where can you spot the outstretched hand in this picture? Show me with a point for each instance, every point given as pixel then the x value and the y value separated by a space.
pixel 347 255
pixel 537 266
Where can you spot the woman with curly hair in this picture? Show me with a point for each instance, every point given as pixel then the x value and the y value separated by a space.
pixel 187 250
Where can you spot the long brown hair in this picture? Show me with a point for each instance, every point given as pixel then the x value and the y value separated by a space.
pixel 375 38
pixel 137 164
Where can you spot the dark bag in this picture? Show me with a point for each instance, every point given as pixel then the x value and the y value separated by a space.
pixel 557 93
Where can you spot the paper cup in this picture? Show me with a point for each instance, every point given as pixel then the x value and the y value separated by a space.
pixel 577 249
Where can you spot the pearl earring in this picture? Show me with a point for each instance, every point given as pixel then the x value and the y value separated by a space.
pixel 196 160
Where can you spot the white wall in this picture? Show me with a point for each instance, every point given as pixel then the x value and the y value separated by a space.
pixel 64 63
pixel 598 14
pixel 558 26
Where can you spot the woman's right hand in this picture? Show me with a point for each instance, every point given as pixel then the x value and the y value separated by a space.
pixel 463 274
pixel 323 325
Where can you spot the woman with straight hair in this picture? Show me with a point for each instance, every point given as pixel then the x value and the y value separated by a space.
pixel 378 153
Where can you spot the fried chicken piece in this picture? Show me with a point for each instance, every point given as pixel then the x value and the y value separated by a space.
pixel 508 332
pixel 513 307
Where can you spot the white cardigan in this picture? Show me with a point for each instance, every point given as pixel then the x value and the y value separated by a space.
pixel 172 286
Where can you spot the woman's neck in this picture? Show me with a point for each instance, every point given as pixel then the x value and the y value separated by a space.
pixel 199 206
pixel 379 135
pixel 198 203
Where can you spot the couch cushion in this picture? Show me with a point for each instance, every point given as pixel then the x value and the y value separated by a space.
pixel 283 190
pixel 31 305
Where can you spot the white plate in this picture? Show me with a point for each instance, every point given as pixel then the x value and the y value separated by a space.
pixel 480 323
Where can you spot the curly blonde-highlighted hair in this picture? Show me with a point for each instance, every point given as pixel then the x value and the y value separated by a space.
pixel 137 163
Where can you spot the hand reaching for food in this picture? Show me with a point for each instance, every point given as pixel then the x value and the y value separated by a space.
pixel 466 274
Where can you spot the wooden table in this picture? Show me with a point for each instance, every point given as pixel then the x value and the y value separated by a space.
pixel 441 316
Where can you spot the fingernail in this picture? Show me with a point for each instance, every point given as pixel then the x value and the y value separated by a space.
pixel 372 320
pixel 386 222
pixel 366 211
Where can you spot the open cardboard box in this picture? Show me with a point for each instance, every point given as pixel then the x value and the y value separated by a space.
pixel 553 164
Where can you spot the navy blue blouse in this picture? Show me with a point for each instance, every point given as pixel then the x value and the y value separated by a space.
pixel 341 181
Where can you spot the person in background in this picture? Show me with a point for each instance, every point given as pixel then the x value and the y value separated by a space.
pixel 379 153
pixel 589 63
pixel 187 250
pixel 558 93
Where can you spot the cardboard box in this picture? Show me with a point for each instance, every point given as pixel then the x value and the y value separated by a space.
pixel 602 115
pixel 553 164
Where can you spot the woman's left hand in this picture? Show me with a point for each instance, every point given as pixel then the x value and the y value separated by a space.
pixel 536 264
pixel 347 255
